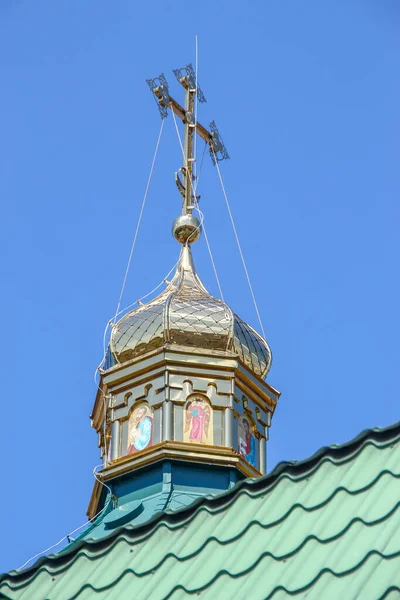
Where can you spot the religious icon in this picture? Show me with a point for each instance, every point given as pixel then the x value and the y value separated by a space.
pixel 198 426
pixel 140 428
pixel 247 442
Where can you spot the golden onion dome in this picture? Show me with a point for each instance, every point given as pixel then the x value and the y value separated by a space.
pixel 186 316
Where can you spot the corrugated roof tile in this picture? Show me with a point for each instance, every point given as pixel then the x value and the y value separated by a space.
pixel 324 528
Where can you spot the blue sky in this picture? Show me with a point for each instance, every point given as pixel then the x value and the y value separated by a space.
pixel 306 97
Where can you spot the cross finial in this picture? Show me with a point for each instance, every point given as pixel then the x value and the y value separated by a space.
pixel 184 177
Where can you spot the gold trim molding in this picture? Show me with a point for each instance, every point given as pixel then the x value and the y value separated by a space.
pixel 172 450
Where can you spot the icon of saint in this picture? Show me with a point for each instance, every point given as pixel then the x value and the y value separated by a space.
pixel 140 430
pixel 197 420
pixel 247 446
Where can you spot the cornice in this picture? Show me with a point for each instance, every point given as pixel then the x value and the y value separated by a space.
pixel 172 450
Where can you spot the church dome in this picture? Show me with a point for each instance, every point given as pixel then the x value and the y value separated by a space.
pixel 185 315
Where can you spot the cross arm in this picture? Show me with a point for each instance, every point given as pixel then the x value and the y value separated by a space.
pixel 159 88
pixel 181 113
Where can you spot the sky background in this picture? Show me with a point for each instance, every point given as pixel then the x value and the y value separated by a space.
pixel 306 97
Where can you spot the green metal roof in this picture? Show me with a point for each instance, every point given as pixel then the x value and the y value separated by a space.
pixel 324 528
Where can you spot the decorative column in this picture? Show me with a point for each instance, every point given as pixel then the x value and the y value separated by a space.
pixel 167 425
pixel 228 426
pixel 263 456
pixel 115 436
pixel 167 420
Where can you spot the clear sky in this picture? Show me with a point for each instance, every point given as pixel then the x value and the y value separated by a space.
pixel 306 97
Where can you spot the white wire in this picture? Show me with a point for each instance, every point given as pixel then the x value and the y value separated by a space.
pixel 117 312
pixel 87 523
pixel 165 278
pixel 97 370
pixel 196 108
pixel 201 214
pixel 196 183
pixel 124 310
pixel 209 250
pixel 102 483
pixel 124 283
pixel 104 351
pixel 139 220
pixel 238 244
pixel 161 282
pixel 180 143
pixel 148 294
pixel 179 136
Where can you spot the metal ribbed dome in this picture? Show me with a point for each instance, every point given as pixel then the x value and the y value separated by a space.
pixel 185 315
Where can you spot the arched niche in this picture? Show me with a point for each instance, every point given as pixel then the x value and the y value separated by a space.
pixel 126 398
pixel 140 428
pixel 198 420
pixel 247 442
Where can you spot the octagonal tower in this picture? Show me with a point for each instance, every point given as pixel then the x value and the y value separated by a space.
pixel 184 380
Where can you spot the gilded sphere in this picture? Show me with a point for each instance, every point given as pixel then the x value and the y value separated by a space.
pixel 186 229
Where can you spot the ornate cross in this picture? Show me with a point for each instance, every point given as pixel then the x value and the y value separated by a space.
pixel 187 78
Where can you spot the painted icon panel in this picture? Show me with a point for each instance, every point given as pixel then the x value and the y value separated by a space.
pixel 198 421
pixel 247 441
pixel 140 428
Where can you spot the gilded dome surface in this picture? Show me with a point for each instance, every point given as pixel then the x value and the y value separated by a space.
pixel 186 315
